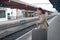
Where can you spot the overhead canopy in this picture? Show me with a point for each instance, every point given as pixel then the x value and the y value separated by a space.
pixel 19 5
pixel 56 4
pixel 12 4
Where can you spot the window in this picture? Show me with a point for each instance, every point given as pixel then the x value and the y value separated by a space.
pixel 2 14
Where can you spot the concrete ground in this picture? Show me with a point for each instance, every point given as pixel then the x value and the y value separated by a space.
pixel 54 29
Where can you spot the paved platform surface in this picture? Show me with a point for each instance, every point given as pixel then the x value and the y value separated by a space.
pixel 54 29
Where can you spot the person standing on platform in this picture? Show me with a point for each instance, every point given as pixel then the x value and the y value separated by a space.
pixel 41 32
pixel 42 19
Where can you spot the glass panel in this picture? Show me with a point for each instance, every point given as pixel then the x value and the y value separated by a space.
pixel 2 14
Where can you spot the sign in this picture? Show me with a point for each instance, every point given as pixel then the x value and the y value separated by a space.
pixel 23 22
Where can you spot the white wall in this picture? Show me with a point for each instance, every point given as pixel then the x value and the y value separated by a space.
pixel 20 14
pixel 8 10
pixel 13 13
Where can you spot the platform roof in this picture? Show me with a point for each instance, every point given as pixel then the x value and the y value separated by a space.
pixel 17 4
pixel 13 4
pixel 56 4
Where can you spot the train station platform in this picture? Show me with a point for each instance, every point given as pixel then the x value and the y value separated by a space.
pixel 19 19
pixel 54 29
pixel 36 32
pixel 26 33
